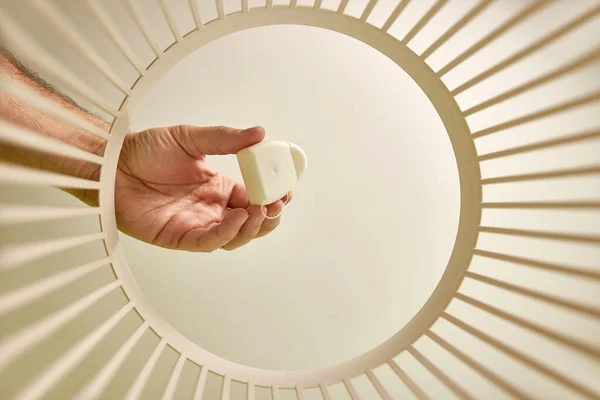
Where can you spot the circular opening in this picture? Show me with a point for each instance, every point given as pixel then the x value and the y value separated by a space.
pixel 373 221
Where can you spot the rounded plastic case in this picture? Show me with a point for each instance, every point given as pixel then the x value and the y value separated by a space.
pixel 271 170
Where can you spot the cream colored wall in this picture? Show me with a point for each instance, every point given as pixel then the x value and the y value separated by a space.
pixel 351 254
pixel 371 226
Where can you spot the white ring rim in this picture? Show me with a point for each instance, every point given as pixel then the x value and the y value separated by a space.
pixel 469 177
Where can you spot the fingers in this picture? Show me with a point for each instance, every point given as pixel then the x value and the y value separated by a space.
pixel 216 140
pixel 249 230
pixel 257 225
pixel 239 197
pixel 269 225
pixel 287 199
pixel 217 236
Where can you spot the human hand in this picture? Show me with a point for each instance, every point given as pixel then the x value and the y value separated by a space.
pixel 167 196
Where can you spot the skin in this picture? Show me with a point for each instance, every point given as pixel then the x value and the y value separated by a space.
pixel 165 194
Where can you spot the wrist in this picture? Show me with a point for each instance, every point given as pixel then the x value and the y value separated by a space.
pixel 84 169
pixel 90 170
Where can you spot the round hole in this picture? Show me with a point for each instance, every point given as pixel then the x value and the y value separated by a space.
pixel 372 225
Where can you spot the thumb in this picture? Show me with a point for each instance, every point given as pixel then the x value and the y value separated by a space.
pixel 220 140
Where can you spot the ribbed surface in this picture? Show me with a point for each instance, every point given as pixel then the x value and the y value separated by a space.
pixel 526 318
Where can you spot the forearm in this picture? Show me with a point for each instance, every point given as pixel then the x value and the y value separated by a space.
pixel 23 115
